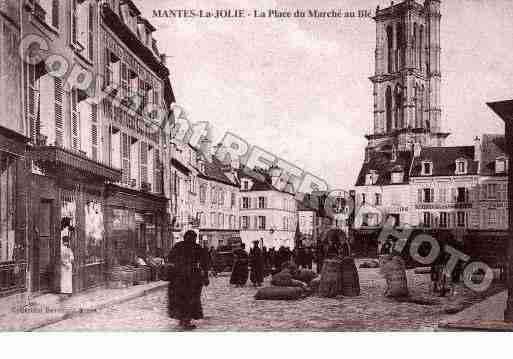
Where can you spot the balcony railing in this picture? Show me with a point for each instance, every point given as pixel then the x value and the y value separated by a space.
pixel 60 158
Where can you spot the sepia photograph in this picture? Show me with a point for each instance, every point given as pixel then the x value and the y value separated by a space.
pixel 256 166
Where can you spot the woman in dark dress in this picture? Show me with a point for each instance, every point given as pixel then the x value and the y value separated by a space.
pixel 240 269
pixel 257 262
pixel 189 273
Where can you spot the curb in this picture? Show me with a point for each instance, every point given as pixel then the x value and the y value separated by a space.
pixel 95 308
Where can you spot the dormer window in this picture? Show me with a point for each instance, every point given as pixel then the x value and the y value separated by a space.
pixel 397 177
pixel 371 178
pixel 500 165
pixel 245 185
pixel 427 168
pixel 461 166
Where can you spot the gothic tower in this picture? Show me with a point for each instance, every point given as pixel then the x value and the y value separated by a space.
pixel 407 76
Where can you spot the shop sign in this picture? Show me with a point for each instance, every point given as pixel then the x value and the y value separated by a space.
pixel 427 206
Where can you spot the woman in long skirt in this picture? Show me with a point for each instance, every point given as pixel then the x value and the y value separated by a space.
pixel 240 270
pixel 189 273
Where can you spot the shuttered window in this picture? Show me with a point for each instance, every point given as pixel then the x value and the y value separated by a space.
pixel 74 22
pixel 58 112
pixel 144 162
pixel 32 101
pixel 75 121
pixel 125 159
pixel 94 132
pixel 124 81
pixel 90 27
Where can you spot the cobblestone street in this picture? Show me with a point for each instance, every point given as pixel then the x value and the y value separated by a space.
pixel 234 309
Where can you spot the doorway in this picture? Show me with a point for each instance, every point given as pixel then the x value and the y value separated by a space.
pixel 42 249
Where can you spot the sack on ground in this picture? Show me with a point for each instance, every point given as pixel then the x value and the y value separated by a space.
pixel 280 293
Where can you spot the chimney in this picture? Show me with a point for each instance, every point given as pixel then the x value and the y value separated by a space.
pixel 417 148
pixel 205 148
pixel 477 152
pixel 163 58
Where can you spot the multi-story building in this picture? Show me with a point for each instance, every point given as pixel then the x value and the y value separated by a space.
pixel 217 210
pixel 97 165
pixel 492 204
pixel 444 188
pixel 14 165
pixel 267 214
pixel 407 109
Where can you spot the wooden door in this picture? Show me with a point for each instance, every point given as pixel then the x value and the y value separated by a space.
pixel 43 244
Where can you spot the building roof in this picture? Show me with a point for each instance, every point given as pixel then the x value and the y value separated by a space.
pixel 493 146
pixel 214 171
pixel 381 163
pixel 444 160
pixel 262 181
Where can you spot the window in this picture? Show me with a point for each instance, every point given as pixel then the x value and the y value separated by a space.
pixel 261 222
pixel 427 168
pixel 203 194
pixel 221 220
pixel 492 217
pixel 371 178
pixel 245 222
pixel 462 196
pixel 363 198
pixel 111 68
pixel 461 167
pixel 427 219
pixel 397 177
pixel 245 202
pixel 444 223
pixel 378 199
pixel 460 219
pixel 233 199
pixel 245 185
pixel 442 195
pixel 500 165
pixel 261 202
pixel 491 190
pixel 427 195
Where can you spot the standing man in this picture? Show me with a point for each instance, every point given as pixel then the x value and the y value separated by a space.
pixel 67 260
pixel 256 260
pixel 189 273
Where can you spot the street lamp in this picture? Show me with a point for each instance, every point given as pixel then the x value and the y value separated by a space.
pixel 505 111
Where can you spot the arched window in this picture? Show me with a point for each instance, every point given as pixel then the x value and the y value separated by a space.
pixel 423 105
pixel 399 57
pixel 388 109
pixel 418 124
pixel 398 110
pixel 390 50
pixel 421 35
pixel 415 44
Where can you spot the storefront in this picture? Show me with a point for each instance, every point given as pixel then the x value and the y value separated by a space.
pixel 215 238
pixel 136 225
pixel 67 202
pixel 13 209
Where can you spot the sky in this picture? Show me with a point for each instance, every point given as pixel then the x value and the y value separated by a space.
pixel 299 88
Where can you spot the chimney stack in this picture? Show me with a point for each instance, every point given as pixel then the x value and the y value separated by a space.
pixel 477 152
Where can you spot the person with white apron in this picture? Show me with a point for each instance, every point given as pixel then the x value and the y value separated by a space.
pixel 66 267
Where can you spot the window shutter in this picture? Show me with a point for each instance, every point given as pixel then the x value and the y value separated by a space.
pixel 454 194
pixel 94 131
pixel 144 162
pixel 432 194
pixel 58 111
pixel 125 155
pixel 55 13
pixel 75 121
pixel 90 27
pixel 419 195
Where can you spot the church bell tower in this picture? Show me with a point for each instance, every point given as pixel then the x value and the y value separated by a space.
pixel 407 76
